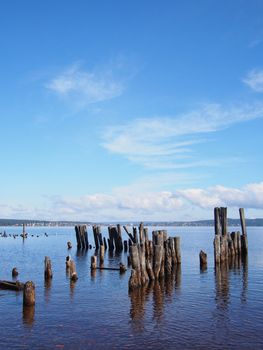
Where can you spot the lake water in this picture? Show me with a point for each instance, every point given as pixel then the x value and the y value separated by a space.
pixel 194 310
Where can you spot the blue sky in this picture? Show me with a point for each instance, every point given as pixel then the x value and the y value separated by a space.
pixel 130 110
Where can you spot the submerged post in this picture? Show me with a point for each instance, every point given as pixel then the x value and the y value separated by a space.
pixel 29 294
pixel 48 268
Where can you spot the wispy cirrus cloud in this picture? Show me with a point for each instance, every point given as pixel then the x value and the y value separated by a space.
pixel 254 80
pixel 85 87
pixel 168 142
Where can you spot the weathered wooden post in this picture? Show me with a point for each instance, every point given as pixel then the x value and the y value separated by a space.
pixel 158 255
pixel 99 235
pixel 217 221
pixel 177 249
pixel 111 238
pixel 135 235
pixel 68 262
pixel 102 254
pixel 122 268
pixel 223 215
pixel 244 241
pixel 125 246
pixel 48 268
pixel 78 237
pixel 168 258
pixel 129 234
pixel 135 278
pixel 95 235
pixel 144 274
pixel 203 259
pixel 119 239
pixel 93 262
pixel 105 243
pixel 14 272
pixel 217 250
pixel 29 297
pixel 73 273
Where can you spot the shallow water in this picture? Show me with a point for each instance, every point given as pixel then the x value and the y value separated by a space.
pixel 193 310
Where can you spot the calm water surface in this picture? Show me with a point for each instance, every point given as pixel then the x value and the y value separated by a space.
pixel 193 310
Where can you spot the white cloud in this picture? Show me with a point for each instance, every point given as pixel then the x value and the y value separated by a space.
pixel 249 196
pixel 164 142
pixel 254 80
pixel 86 87
pixel 134 203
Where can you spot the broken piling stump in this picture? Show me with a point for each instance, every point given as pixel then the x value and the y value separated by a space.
pixel 48 269
pixel 202 259
pixel 69 244
pixel 29 298
pixel 93 262
pixel 14 272
pixel 72 269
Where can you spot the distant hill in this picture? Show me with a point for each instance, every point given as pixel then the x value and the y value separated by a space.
pixel 231 222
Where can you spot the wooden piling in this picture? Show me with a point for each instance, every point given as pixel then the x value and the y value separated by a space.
pixel 111 238
pixel 78 237
pixel 129 234
pixel 119 246
pixel 217 221
pixel 93 262
pixel 14 272
pixel 125 245
pixel 177 248
pixel 217 250
pixel 105 243
pixel 72 269
pixel 244 241
pixel 135 278
pixel 68 262
pixel 99 235
pixel 158 255
pixel 135 235
pixel 202 259
pixel 223 215
pixel 81 236
pixel 144 275
pixel 153 259
pixel 102 250
pixel 69 244
pixel 29 297
pixel 96 237
pixel 48 268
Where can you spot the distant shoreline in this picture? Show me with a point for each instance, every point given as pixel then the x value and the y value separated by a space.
pixel 258 222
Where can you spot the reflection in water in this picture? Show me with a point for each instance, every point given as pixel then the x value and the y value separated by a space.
pixel 244 279
pixel 222 272
pixel 81 253
pixel 47 285
pixel 93 274
pixel 72 285
pixel 28 315
pixel 161 291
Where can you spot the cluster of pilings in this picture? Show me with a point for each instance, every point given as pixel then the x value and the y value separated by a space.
pixel 114 242
pixel 153 259
pixel 228 245
pixel 82 237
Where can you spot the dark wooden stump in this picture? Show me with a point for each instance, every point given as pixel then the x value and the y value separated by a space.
pixel 48 269
pixel 14 272
pixel 202 259
pixel 29 297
